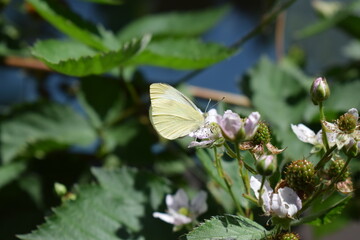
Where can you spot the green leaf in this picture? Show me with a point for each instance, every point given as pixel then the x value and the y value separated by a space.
pixel 174 24
pixel 112 209
pixel 11 171
pixel 74 59
pixel 226 228
pixel 50 125
pixel 182 53
pixel 281 88
pixel 342 96
pixel 343 18
pixel 69 23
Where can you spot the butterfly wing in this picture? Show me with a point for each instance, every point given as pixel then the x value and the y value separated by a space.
pixel 173 114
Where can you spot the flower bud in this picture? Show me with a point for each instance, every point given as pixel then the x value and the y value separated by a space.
pixel 60 189
pixel 230 124
pixel 319 90
pixel 266 165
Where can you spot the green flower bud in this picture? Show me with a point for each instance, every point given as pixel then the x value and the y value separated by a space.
pixel 352 149
pixel 60 189
pixel 319 90
pixel 266 165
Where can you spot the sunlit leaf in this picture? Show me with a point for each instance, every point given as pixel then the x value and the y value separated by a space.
pixel 182 53
pixel 69 22
pixel 174 24
pixel 75 59
pixel 228 227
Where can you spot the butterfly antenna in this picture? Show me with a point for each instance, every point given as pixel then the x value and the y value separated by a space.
pixel 207 105
pixel 215 103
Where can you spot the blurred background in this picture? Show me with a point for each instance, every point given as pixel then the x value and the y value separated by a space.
pixel 56 126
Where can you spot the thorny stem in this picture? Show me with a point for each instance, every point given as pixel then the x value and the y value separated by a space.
pixel 263 179
pixel 228 184
pixel 265 21
pixel 322 118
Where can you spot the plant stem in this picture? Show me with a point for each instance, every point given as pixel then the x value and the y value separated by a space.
pixel 322 118
pixel 228 184
pixel 265 21
pixel 325 158
pixel 343 170
pixel 244 176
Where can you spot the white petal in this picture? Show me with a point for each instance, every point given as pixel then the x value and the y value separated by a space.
pixel 266 202
pixel 354 112
pixel 290 200
pixel 255 184
pixel 179 219
pixel 165 217
pixel 211 118
pixel 304 133
pixel 276 206
pixel 198 204
pixel 177 201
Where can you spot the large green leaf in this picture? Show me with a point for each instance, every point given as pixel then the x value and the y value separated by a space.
pixel 75 59
pixel 281 89
pixel 183 53
pixel 69 22
pixel 113 209
pixel 174 24
pixel 41 127
pixel 10 172
pixel 343 18
pixel 228 227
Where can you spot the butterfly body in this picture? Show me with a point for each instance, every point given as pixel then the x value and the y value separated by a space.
pixel 172 113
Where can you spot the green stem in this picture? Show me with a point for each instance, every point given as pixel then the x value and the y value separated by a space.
pixel 255 31
pixel 322 118
pixel 325 158
pixel 244 176
pixel 228 184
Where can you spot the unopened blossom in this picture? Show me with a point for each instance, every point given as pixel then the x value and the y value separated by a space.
pixel 181 210
pixel 307 135
pixel 319 90
pixel 235 128
pixel 266 164
pixel 283 204
pixel 209 135
pixel 345 129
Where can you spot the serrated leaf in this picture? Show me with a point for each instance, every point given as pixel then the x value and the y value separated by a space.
pixel 228 228
pixel 75 59
pixel 69 22
pixel 174 24
pixel 10 172
pixel 109 210
pixel 183 53
pixel 53 125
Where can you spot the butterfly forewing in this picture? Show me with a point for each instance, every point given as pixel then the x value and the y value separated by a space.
pixel 173 114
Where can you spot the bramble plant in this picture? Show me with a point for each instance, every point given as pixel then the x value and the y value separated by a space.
pixel 302 182
pixel 92 149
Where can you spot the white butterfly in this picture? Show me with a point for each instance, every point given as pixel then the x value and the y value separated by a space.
pixel 172 114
